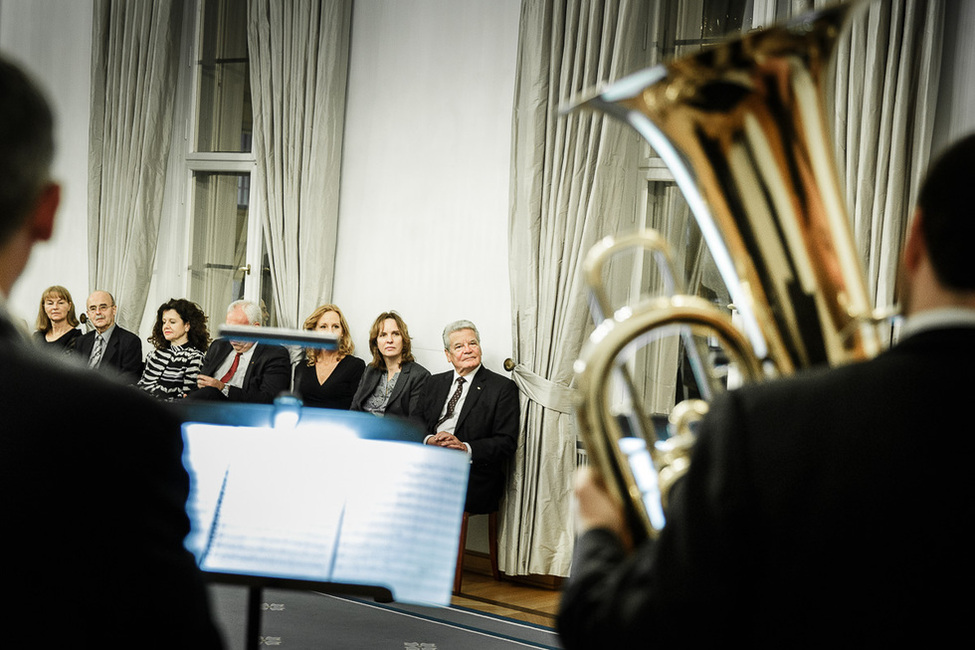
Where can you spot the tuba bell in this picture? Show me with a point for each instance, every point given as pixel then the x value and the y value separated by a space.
pixel 741 126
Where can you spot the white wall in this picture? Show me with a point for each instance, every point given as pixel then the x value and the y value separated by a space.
pixel 424 203
pixel 52 40
pixel 423 223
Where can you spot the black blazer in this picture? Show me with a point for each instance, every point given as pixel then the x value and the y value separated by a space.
pixel 405 398
pixel 831 508
pixel 123 353
pixel 488 422
pixel 268 373
pixel 99 510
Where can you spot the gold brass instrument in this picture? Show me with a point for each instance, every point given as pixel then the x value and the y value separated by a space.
pixel 741 127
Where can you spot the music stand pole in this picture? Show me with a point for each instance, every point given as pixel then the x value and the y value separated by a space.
pixel 254 598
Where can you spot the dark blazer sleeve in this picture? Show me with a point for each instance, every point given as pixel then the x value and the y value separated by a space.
pixel 268 375
pixel 489 419
pixel 129 355
pixel 214 355
pixel 409 403
pixel 367 384
pixel 83 345
pixel 433 394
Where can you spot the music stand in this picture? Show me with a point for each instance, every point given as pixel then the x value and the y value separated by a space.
pixel 294 497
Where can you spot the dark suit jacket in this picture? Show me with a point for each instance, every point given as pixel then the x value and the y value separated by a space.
pixel 488 422
pixel 826 510
pixel 94 496
pixel 123 354
pixel 268 374
pixel 405 398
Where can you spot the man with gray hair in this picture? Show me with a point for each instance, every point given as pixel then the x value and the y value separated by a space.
pixel 97 516
pixel 243 371
pixel 475 411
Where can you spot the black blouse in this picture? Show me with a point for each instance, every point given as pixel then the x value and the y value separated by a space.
pixel 63 344
pixel 337 391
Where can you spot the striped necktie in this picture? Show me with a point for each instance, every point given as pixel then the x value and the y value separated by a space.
pixel 96 353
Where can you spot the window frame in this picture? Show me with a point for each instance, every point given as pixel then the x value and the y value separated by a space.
pixel 194 161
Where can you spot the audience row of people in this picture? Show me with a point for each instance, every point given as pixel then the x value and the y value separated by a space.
pixel 186 364
pixel 183 360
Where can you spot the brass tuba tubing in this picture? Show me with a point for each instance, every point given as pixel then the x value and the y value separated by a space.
pixel 742 128
pixel 599 361
pixel 647 240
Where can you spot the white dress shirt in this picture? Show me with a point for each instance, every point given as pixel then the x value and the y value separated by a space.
pixel 237 380
pixel 450 424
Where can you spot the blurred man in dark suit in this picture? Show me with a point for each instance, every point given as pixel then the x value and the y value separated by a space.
pixel 91 476
pixel 833 508
pixel 473 410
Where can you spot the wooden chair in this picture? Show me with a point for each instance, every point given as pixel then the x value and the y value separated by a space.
pixel 492 548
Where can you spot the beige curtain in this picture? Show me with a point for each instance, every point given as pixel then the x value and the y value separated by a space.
pixel 572 179
pixel 299 52
pixel 135 56
pixel 886 88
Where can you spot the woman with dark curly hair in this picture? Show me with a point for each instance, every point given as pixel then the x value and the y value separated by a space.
pixel 180 337
pixel 328 378
pixel 57 324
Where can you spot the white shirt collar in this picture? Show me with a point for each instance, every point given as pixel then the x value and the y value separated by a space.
pixel 937 319
pixel 468 377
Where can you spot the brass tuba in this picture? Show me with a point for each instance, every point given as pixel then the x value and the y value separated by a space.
pixel 741 127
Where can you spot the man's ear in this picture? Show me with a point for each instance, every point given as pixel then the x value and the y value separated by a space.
pixel 42 219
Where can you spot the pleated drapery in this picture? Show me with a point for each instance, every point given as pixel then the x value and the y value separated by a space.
pixel 299 52
pixel 884 98
pixel 571 180
pixel 135 58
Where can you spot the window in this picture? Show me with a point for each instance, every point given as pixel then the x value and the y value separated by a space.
pixel 227 258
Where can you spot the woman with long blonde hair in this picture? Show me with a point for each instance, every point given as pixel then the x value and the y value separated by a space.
pixel 57 324
pixel 329 378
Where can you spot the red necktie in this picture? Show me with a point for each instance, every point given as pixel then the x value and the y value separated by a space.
pixel 233 369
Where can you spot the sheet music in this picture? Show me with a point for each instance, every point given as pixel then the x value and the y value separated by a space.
pixel 410 497
pixel 326 507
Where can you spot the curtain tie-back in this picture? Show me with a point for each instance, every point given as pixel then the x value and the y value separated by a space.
pixel 549 394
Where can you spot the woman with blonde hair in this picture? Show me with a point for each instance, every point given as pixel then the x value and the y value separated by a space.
pixel 57 324
pixel 393 380
pixel 329 378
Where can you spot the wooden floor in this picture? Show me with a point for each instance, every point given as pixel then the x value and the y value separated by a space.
pixel 520 601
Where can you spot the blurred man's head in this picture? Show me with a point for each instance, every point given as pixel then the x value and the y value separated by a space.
pixel 948 215
pixel 28 198
pixel 937 270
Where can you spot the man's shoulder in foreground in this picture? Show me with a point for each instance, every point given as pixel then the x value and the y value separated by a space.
pixel 97 467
